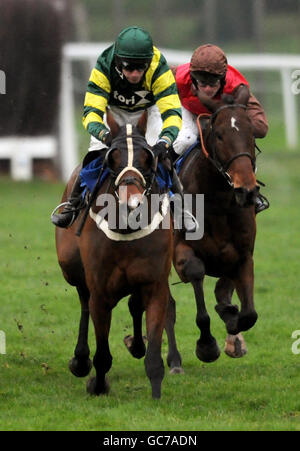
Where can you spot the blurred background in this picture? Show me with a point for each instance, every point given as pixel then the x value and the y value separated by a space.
pixel 46 78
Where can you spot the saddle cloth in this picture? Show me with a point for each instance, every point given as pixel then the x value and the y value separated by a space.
pixel 89 176
pixel 179 162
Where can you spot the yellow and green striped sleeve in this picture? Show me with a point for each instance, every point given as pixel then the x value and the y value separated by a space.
pixel 95 102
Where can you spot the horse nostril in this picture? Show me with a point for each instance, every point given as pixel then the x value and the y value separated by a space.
pixel 245 197
pixel 252 195
pixel 250 198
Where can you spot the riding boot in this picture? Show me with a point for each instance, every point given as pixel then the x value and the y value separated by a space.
pixel 261 203
pixel 71 208
pixel 189 222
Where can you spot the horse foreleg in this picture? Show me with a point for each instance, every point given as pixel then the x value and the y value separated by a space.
pixel 244 284
pixel 156 308
pixel 235 345
pixel 80 365
pixel 101 316
pixel 174 357
pixel 191 269
pixel 207 349
pixel 136 343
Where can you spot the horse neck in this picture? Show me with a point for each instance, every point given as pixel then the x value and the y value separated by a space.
pixel 200 176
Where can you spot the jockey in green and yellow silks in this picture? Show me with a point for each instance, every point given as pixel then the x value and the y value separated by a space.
pixel 130 76
pixel 153 84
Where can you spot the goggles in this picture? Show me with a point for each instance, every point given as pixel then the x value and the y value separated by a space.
pixel 132 66
pixel 206 79
pixel 210 83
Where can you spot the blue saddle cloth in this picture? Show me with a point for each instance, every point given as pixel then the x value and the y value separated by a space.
pixel 179 162
pixel 90 173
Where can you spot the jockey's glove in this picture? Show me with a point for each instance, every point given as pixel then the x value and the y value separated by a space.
pixel 105 137
pixel 172 154
pixel 160 149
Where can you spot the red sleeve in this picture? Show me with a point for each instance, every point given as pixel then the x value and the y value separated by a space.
pixel 233 79
pixel 184 83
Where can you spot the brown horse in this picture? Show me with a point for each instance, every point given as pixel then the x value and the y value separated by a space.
pixel 106 264
pixel 223 169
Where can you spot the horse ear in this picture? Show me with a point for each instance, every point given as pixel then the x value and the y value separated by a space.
pixel 113 125
pixel 142 123
pixel 210 104
pixel 241 94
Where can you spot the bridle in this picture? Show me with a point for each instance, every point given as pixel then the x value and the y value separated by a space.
pixel 222 167
pixel 144 180
pixel 116 177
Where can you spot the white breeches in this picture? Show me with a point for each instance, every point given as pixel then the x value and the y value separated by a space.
pixel 154 124
pixel 188 133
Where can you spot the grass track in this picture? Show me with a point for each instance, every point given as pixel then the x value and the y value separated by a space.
pixel 39 314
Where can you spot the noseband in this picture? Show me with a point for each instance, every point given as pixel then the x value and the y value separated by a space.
pixel 140 180
pixel 222 167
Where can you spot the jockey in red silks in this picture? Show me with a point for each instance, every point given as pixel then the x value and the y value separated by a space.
pixel 209 73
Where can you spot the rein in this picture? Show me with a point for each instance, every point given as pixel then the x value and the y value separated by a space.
pixel 221 167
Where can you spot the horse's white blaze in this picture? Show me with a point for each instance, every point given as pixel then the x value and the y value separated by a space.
pixel 129 166
pixel 129 145
pixel 233 121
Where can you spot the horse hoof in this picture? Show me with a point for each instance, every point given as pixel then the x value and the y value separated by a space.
pixel 93 389
pixel 235 346
pixel 208 352
pixel 137 351
pixel 176 370
pixel 80 369
pixel 174 362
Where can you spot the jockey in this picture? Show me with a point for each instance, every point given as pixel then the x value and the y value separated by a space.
pixel 208 73
pixel 130 76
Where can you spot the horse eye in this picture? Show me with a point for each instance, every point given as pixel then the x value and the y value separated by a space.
pixel 219 136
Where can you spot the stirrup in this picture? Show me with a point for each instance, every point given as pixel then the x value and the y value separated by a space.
pixel 64 204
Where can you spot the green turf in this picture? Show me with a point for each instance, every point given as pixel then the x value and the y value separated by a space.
pixel 39 314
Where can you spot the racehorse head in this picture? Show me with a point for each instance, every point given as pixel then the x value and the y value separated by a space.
pixel 229 143
pixel 131 162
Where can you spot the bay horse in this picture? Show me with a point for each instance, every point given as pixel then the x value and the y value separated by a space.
pixel 223 169
pixel 106 264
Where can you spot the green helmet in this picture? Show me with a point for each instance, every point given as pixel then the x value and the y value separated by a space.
pixel 135 43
